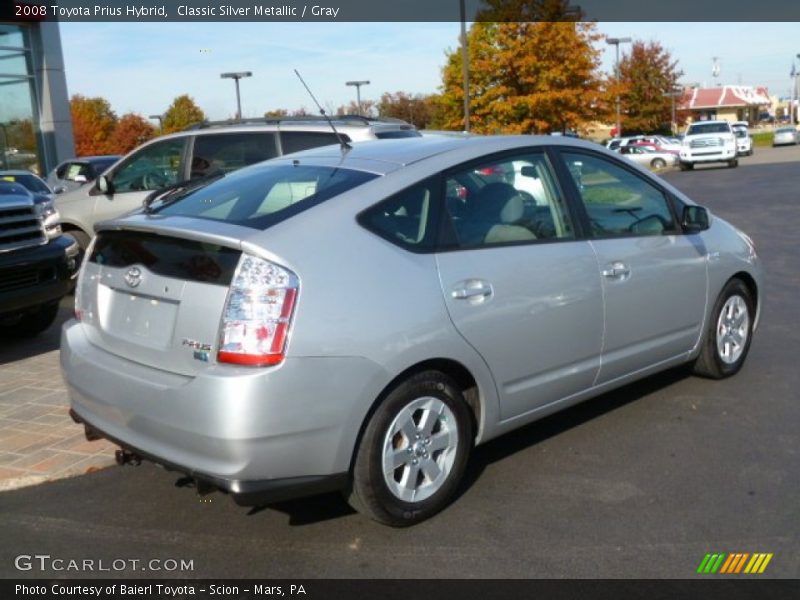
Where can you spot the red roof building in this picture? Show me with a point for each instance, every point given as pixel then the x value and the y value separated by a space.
pixel 729 102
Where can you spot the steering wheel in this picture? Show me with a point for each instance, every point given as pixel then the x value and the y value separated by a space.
pixel 152 180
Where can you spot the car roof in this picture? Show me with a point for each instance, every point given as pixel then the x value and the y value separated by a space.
pixel 385 156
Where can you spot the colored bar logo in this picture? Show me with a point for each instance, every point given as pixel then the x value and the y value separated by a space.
pixel 731 564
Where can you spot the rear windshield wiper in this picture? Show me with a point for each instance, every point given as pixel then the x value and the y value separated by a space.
pixel 176 191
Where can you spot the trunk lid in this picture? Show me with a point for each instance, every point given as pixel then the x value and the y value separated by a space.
pixel 157 298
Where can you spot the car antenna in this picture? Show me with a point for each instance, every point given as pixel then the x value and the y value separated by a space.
pixel 342 142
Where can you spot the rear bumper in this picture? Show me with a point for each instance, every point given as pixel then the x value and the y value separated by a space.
pixel 245 493
pixel 55 267
pixel 261 434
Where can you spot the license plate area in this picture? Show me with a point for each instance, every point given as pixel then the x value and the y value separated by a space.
pixel 138 318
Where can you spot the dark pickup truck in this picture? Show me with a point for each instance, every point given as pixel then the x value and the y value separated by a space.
pixel 38 265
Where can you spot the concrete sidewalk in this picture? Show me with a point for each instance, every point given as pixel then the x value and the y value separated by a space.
pixel 38 440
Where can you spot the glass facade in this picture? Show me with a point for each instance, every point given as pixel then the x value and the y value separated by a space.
pixel 19 147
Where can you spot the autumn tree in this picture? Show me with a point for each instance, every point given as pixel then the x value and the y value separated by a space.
pixel 131 131
pixel 93 123
pixel 646 75
pixel 366 109
pixel 526 77
pixel 182 113
pixel 275 113
pixel 416 109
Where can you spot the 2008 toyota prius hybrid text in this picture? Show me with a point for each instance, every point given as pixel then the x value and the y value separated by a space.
pixel 358 319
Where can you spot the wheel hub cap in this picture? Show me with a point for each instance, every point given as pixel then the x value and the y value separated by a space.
pixel 733 327
pixel 419 449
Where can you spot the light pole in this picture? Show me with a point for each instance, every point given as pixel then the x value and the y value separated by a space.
pixel 358 85
pixel 616 42
pixel 160 120
pixel 236 76
pixel 795 111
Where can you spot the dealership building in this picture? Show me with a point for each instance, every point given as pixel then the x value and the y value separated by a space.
pixel 35 124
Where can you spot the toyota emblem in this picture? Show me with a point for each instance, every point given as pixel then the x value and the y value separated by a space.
pixel 133 277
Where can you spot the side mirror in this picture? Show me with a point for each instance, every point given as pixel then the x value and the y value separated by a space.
pixel 105 185
pixel 694 219
pixel 80 179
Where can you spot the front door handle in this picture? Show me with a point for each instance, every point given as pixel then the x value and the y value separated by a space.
pixel 475 290
pixel 617 270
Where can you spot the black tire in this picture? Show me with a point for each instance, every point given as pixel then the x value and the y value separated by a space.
pixel 658 163
pixel 732 164
pixel 31 323
pixel 710 362
pixel 369 491
pixel 687 166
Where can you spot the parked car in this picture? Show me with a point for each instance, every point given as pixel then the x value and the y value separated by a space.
pixel 37 264
pixel 784 136
pixel 359 320
pixel 203 151
pixel 647 155
pixel 744 143
pixel 72 174
pixel 31 182
pixel 660 143
pixel 708 142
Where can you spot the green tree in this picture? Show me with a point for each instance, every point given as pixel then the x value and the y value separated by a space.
pixel 646 75
pixel 526 77
pixel 182 113
pixel 93 123
pixel 132 130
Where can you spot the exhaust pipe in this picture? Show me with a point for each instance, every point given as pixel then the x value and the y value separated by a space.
pixel 123 457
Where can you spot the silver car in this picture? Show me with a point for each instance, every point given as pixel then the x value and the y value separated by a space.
pixel 358 319
pixel 649 157
pixel 785 136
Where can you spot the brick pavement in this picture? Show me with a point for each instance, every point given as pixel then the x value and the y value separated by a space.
pixel 38 440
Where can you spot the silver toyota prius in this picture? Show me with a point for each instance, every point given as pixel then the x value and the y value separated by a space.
pixel 357 319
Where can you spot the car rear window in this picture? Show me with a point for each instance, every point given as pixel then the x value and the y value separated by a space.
pixel 265 196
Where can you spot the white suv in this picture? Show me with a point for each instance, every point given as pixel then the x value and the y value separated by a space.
pixel 744 143
pixel 202 151
pixel 708 142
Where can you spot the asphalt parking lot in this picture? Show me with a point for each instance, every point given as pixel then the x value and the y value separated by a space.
pixel 641 482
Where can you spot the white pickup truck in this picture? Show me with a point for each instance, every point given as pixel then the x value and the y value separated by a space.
pixel 708 142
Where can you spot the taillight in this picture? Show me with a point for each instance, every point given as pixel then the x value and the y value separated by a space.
pixel 258 313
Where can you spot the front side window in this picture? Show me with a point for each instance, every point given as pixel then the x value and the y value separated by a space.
pixel 513 199
pixel 225 152
pixel 617 201
pixel 151 168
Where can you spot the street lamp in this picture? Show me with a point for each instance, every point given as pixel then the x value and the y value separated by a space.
pixel 160 120
pixel 616 42
pixel 358 85
pixel 236 77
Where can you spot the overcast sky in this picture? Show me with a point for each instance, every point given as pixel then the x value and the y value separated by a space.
pixel 141 67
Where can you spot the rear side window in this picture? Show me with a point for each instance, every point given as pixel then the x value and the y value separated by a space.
pixel 265 195
pixel 406 218
pixel 295 141
pixel 225 152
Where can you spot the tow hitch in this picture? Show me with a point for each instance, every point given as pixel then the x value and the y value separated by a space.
pixel 123 457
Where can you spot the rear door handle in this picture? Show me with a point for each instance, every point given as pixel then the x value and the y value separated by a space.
pixel 617 270
pixel 472 289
